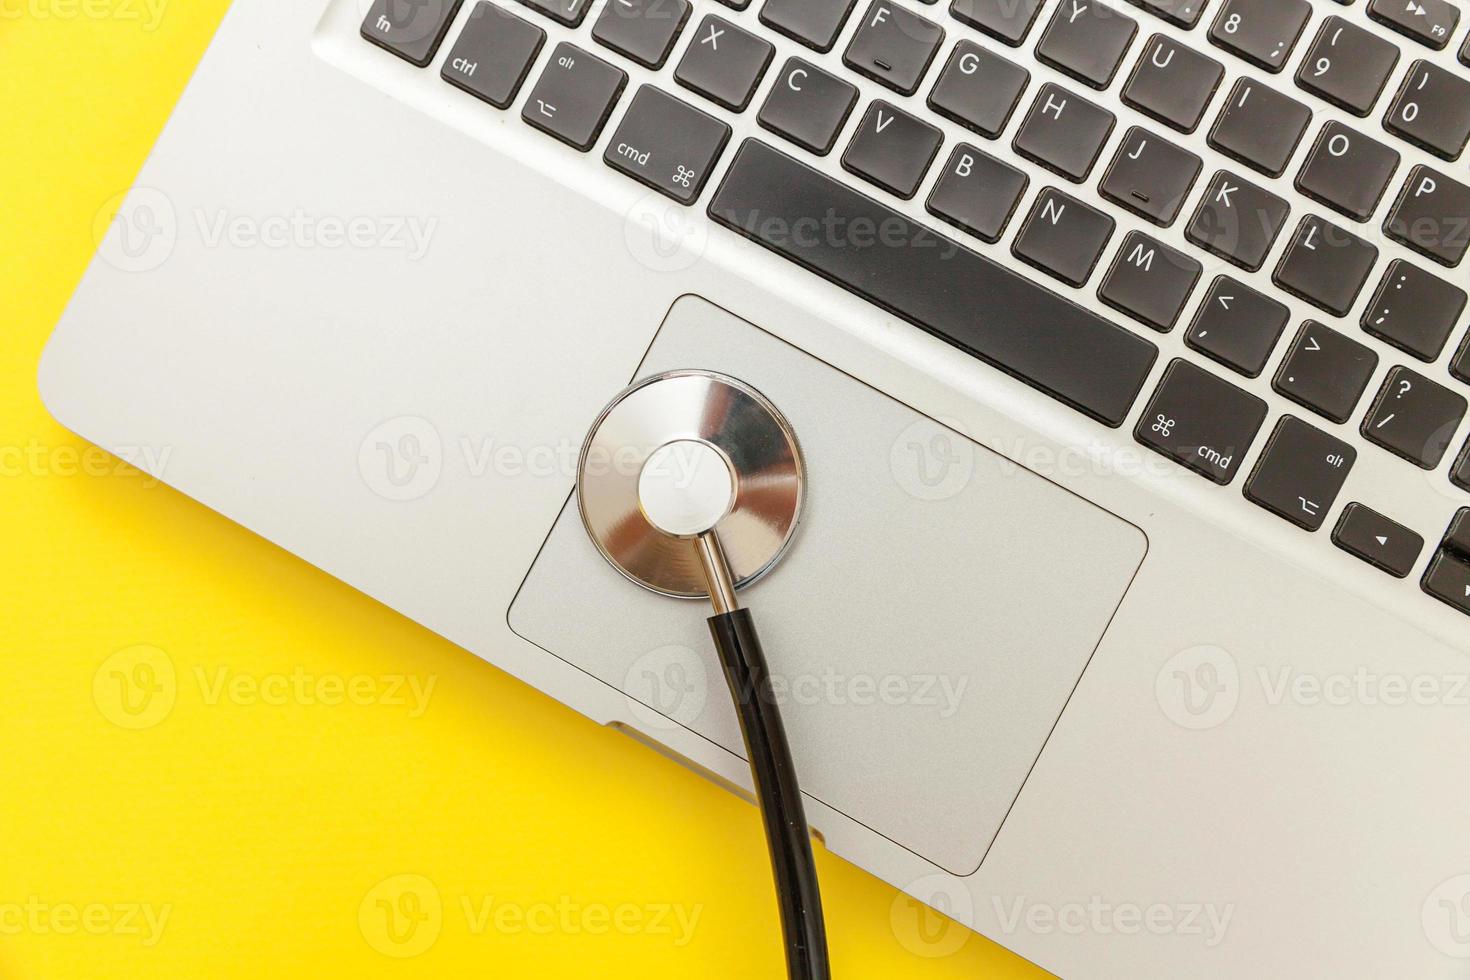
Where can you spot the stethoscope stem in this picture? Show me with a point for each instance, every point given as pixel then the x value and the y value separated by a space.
pixel 717 572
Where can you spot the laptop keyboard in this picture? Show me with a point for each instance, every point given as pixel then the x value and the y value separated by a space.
pixel 1341 211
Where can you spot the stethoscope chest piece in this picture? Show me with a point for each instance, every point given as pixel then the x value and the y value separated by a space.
pixel 682 453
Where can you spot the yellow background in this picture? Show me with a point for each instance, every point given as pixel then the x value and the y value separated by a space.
pixel 275 835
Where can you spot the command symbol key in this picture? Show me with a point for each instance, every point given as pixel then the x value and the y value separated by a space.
pixel 1201 421
pixel 667 144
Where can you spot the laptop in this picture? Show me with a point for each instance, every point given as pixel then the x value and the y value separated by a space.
pixel 1128 618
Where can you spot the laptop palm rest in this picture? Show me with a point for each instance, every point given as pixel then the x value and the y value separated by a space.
pixel 935 612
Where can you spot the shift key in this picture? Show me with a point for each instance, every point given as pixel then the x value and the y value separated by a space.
pixel 1201 422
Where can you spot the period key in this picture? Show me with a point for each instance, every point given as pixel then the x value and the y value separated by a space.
pixel 1201 422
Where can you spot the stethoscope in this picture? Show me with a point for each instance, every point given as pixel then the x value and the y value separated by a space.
pixel 691 484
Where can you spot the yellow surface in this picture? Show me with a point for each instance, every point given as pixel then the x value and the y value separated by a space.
pixel 206 769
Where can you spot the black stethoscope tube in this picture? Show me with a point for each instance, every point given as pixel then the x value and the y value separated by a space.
pixel 777 792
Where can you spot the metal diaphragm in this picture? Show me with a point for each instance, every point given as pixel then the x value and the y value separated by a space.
pixel 646 425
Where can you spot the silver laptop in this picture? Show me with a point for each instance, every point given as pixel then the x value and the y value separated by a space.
pixel 1128 620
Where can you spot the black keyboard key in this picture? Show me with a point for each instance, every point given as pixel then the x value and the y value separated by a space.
pixel 936 284
pixel 1150 176
pixel 892 149
pixel 1238 220
pixel 736 4
pixel 1238 326
pixel 574 96
pixel 1465 52
pixel 815 23
pixel 1326 265
pixel 1063 237
pixel 724 63
pixel 1181 13
pixel 1348 66
pixel 1173 83
pixel 808 106
pixel 411 30
pixel 1448 579
pixel 1087 40
pixel 1260 126
pixel 1432 216
pixel 1382 543
pixel 1347 171
pixel 1432 110
pixel 1008 21
pixel 1201 422
pixel 1429 22
pixel 644 30
pixel 1460 473
pixel 977 192
pixel 893 46
pixel 1414 418
pixel 1460 366
pixel 1325 371
pixel 1300 473
pixel 978 89
pixel 667 144
pixel 1414 311
pixel 1263 32
pixel 1457 538
pixel 568 12
pixel 1064 132
pixel 493 54
pixel 1150 281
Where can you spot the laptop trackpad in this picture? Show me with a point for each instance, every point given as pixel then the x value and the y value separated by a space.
pixel 933 615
